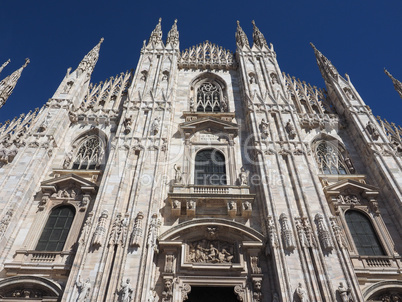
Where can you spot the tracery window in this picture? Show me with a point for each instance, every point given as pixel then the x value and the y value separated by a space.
pixel 330 159
pixel 209 98
pixel 56 230
pixel 363 234
pixel 89 154
pixel 210 168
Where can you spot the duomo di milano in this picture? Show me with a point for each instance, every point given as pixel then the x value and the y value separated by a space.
pixel 203 175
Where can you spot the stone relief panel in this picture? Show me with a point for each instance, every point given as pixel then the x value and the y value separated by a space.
pixel 210 251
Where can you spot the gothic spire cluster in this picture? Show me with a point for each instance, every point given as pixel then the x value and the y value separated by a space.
pixel 7 85
pixel 156 35
pixel 89 61
pixel 241 37
pixel 324 64
pixel 258 37
pixel 397 84
pixel 173 35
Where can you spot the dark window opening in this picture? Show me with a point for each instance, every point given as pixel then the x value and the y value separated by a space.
pixel 210 168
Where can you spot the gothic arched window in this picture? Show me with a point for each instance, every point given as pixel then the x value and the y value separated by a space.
pixel 56 230
pixel 210 168
pixel 363 234
pixel 330 159
pixel 209 98
pixel 90 154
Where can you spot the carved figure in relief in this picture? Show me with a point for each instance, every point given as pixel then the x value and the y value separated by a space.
pixel 210 252
pixel 247 205
pixel 192 105
pixel 302 293
pixel 178 174
pixel 191 204
pixel 67 161
pixel 126 291
pixel 290 129
pixel 232 205
pixel 84 288
pixel 224 104
pixel 176 204
pixel 372 130
pixel 274 78
pixel 264 127
pixel 5 221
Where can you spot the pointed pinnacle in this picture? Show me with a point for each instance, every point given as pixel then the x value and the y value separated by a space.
pixel 4 65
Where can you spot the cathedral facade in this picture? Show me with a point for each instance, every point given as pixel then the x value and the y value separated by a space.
pixel 203 175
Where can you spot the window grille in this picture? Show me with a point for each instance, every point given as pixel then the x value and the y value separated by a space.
pixel 210 168
pixel 89 154
pixel 363 234
pixel 56 230
pixel 208 98
pixel 330 159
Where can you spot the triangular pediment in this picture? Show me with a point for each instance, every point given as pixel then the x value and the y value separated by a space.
pixel 68 180
pixel 209 123
pixel 350 185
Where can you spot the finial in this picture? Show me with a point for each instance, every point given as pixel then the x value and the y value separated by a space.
pixel 258 37
pixel 173 35
pixel 4 65
pixel 397 84
pixel 313 46
pixel 241 37
pixel 7 85
pixel 156 35
pixel 101 40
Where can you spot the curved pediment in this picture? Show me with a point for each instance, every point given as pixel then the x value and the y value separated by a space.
pixel 209 125
pixel 212 229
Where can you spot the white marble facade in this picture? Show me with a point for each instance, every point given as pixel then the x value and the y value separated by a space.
pixel 203 169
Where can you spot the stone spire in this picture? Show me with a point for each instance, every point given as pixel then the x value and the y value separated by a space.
pixel 89 61
pixel 4 65
pixel 241 37
pixel 397 84
pixel 156 35
pixel 324 64
pixel 173 35
pixel 258 37
pixel 7 85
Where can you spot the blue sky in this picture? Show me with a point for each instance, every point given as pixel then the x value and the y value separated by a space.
pixel 359 37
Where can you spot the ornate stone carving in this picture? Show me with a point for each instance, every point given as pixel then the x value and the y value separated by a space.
pixel 100 231
pixel 185 290
pixel 156 35
pixel 155 126
pixel 340 238
pixel 84 288
pixel 85 229
pixel 264 128
pixel 118 233
pixel 43 126
pixel 243 177
pixel 287 234
pixel 167 294
pixel 240 292
pixel 178 174
pixel 348 199
pixel 302 293
pixel 257 294
pixel 344 292
pixel 5 221
pixel 207 54
pixel 136 235
pixel 255 269
pixel 301 233
pixel 372 130
pixel 241 37
pixel 127 125
pixel 258 37
pixel 323 233
pixel 205 251
pixel 69 193
pixel 173 35
pixel 153 232
pixel 170 263
pixel 290 129
pixel 126 291
pixel 273 238
pixel 67 160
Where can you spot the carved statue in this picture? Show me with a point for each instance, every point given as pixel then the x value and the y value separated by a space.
pixel 290 129
pixel 178 174
pixel 84 288
pixel 287 234
pixel 136 235
pixel 344 292
pixel 207 252
pixel 302 293
pixel 67 161
pixel 243 177
pixel 5 221
pixel 176 204
pixel 224 104
pixel 372 130
pixel 192 105
pixel 126 291
pixel 155 125
pixel 264 127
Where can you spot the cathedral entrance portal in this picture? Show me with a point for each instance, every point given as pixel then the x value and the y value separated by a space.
pixel 211 294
